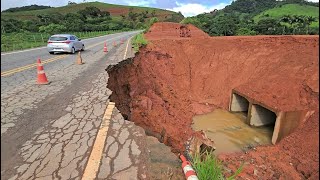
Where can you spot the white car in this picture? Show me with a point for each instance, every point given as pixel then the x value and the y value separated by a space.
pixel 64 43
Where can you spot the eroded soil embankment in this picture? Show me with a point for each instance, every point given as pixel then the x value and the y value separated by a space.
pixel 170 81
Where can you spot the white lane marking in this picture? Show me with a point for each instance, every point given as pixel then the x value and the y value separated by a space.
pixel 125 53
pixel 3 54
pixel 94 160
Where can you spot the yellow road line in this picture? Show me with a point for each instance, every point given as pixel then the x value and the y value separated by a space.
pixel 12 71
pixel 31 65
pixel 93 164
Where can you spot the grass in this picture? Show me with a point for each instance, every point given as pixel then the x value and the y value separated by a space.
pixel 291 9
pixel 26 40
pixel 208 167
pixel 138 41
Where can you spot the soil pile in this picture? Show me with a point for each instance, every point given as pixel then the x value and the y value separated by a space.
pixel 171 80
pixel 168 30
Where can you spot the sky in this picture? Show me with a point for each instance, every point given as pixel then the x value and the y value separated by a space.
pixel 186 7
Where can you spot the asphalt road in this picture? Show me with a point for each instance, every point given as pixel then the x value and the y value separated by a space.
pixel 19 67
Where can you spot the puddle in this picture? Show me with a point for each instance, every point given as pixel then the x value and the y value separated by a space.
pixel 229 131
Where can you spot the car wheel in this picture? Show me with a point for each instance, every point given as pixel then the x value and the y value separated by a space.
pixel 82 48
pixel 73 50
pixel 51 52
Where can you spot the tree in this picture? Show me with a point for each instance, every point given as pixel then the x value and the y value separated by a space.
pixel 191 20
pixel 52 28
pixel 298 23
pixel 268 26
pixel 10 25
pixel 131 15
pixel 73 22
pixel 286 20
pixel 245 32
pixel 308 20
pixel 225 25
pixel 45 18
pixel 70 3
pixel 92 12
pixel 30 26
pixel 141 19
pixel 105 14
pixel 153 13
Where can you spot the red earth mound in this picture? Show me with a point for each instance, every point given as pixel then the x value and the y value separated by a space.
pixel 168 30
pixel 171 80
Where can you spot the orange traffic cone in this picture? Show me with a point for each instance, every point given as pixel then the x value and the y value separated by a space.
pixel 105 49
pixel 122 41
pixel 42 78
pixel 114 44
pixel 79 59
pixel 187 169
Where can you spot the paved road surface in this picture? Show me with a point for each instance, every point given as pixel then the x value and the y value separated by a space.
pixel 69 129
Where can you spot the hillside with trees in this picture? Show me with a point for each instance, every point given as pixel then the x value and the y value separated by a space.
pixel 26 8
pixel 258 17
pixel 91 16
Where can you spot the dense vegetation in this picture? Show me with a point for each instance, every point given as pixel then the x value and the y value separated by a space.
pixel 252 17
pixel 93 16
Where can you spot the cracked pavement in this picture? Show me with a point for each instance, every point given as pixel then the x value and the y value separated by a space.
pixel 48 132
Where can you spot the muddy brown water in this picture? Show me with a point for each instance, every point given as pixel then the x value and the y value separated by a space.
pixel 229 131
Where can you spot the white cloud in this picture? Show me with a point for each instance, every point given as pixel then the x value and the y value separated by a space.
pixel 192 9
pixel 313 0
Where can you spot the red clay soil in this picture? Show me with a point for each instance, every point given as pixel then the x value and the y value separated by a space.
pixel 168 30
pixel 118 11
pixel 175 78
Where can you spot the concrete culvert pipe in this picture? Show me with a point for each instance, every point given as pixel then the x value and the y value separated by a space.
pixel 261 116
pixel 239 103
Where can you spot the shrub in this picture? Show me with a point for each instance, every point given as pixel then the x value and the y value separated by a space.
pixel 52 28
pixel 138 41
pixel 208 167
pixel 245 32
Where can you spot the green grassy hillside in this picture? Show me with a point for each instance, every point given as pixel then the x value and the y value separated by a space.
pixel 290 9
pixel 115 10
pixel 260 17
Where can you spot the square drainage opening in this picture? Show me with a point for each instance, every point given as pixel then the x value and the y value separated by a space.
pixel 239 104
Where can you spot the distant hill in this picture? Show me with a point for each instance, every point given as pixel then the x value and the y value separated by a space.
pixel 26 8
pixel 115 10
pixel 90 16
pixel 252 17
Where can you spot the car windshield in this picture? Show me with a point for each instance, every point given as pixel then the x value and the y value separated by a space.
pixel 58 38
